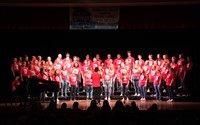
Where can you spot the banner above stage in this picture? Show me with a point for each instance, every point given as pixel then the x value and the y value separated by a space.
pixel 94 18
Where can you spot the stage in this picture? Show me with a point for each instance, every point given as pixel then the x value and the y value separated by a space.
pixel 142 105
pixel 179 103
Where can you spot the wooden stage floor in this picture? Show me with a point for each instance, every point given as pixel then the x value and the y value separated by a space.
pixel 142 105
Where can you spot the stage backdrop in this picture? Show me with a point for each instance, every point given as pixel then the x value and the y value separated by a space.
pixel 94 18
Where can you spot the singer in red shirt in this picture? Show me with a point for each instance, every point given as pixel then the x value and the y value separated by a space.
pixel 96 78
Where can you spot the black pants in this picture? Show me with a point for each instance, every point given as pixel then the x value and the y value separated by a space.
pixel 97 92
pixel 24 88
pixel 73 92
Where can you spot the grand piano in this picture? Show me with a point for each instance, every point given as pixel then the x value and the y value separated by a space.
pixel 37 86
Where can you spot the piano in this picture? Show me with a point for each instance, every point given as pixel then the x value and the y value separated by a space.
pixel 36 86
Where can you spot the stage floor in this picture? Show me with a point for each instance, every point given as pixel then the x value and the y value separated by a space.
pixel 142 105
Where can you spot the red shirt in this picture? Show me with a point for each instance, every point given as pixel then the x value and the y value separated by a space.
pixel 15 83
pixel 68 66
pixel 87 77
pixel 118 61
pixel 125 78
pixel 95 64
pixel 57 66
pixel 64 74
pixel 181 61
pixel 151 62
pixel 85 68
pixel 131 60
pixel 174 66
pixel 73 79
pixel 31 73
pixel 159 62
pixel 136 73
pixel 157 78
pixel 117 76
pixel 57 78
pixel 15 66
pixel 164 72
pixel 146 69
pixel 107 62
pixel 151 75
pixel 181 72
pixel 141 63
pixel 169 78
pixel 50 74
pixel 96 79
pixel 37 69
pixel 42 76
pixel 128 67
pixel 142 80
pixel 24 71
pixel 99 61
pixel 106 77
pixel 89 62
